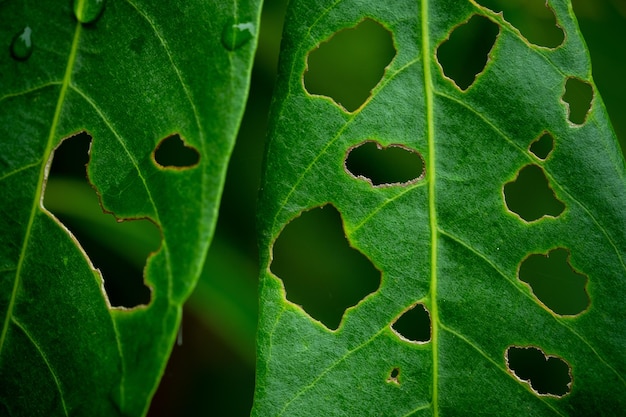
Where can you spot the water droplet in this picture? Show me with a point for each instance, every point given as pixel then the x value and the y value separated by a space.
pixel 235 35
pixel 22 45
pixel 87 11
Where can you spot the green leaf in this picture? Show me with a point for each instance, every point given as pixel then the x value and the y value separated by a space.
pixel 132 74
pixel 450 240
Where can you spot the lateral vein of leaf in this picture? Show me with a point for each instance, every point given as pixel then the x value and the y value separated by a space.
pixel 388 201
pixel 415 410
pixel 324 13
pixel 348 122
pixel 526 294
pixel 164 245
pixel 330 368
pixel 500 21
pixel 135 165
pixel 20 169
pixel 57 381
pixel 270 344
pixel 38 189
pixel 553 180
pixel 542 398
pixel 29 91
pixel 432 207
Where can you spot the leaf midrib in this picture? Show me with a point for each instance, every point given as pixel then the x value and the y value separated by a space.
pixel 42 175
pixel 37 199
pixel 432 210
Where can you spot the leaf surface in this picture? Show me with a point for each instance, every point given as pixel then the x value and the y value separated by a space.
pixel 449 240
pixel 132 74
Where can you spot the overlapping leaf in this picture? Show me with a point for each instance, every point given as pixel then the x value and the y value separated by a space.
pixel 448 241
pixel 132 74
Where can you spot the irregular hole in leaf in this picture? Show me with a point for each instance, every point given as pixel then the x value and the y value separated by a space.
pixel 577 98
pixel 119 249
pixel 546 374
pixel 542 146
pixel 173 152
pixel 530 195
pixel 535 20
pixel 319 270
pixel 464 54
pixel 348 65
pixel 384 165
pixel 414 324
pixel 393 376
pixel 555 283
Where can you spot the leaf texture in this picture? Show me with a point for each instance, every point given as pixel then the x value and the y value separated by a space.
pixel 448 241
pixel 132 74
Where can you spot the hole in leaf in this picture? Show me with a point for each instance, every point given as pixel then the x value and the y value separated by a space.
pixel 542 146
pixel 118 249
pixel 389 165
pixel 546 375
pixel 319 269
pixel 577 98
pixel 173 152
pixel 347 66
pixel 530 195
pixel 535 20
pixel 393 376
pixel 463 56
pixel 414 324
pixel 555 283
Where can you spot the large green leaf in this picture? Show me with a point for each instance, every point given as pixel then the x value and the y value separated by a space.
pixel 447 241
pixel 132 74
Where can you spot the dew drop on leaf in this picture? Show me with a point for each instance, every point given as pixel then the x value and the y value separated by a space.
pixel 555 283
pixel 414 324
pixel 319 270
pixel 235 35
pixel 173 152
pixel 22 44
pixel 535 20
pixel 530 195
pixel 547 375
pixel 542 146
pixel 577 97
pixel 384 165
pixel 87 11
pixel 349 64
pixel 463 56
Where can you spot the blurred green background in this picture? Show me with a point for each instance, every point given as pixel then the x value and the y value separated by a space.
pixel 212 371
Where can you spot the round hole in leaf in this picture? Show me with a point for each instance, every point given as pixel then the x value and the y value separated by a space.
pixel 530 195
pixel 464 54
pixel 118 249
pixel 555 283
pixel 348 65
pixel 414 324
pixel 173 152
pixel 394 375
pixel 577 97
pixel 384 165
pixel 535 20
pixel 542 146
pixel 546 374
pixel 321 272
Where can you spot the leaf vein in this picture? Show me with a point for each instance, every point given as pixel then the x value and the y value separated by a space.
pixel 57 381
pixel 497 366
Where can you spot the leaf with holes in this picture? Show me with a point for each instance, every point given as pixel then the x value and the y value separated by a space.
pixel 142 79
pixel 500 255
